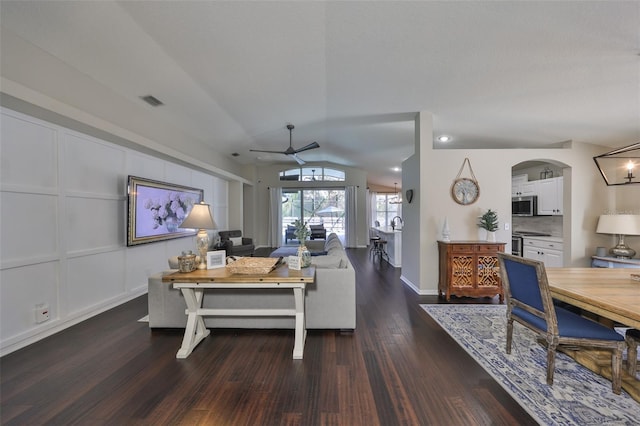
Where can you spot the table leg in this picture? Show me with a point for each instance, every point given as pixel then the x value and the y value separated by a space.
pixel 301 326
pixel 195 330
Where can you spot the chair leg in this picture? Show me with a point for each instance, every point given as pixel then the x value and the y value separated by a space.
pixel 509 334
pixel 632 354
pixel 551 363
pixel 616 369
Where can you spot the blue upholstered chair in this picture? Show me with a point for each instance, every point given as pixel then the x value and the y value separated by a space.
pixel 529 303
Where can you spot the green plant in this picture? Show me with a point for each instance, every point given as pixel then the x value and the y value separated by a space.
pixel 489 221
pixel 301 232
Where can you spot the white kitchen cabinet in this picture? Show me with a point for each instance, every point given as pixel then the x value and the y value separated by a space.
pixel 547 250
pixel 520 186
pixel 550 194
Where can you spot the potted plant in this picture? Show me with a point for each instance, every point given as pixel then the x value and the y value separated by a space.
pixel 489 221
pixel 302 233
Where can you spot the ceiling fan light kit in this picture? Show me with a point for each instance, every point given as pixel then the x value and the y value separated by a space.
pixel 291 152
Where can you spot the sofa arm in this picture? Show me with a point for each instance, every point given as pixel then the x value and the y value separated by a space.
pixel 247 241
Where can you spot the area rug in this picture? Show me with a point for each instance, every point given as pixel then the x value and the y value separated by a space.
pixel 577 397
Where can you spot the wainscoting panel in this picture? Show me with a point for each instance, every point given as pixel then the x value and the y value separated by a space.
pixel 29 226
pixel 92 223
pixel 93 280
pixel 21 290
pixel 39 168
pixel 93 166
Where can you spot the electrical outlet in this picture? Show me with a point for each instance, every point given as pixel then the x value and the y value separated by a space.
pixel 42 312
pixel 506 226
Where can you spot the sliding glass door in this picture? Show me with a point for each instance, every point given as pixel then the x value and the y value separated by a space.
pixel 314 207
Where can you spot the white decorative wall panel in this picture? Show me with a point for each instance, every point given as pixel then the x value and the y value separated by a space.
pixel 92 223
pixel 145 166
pixel 39 167
pixel 21 290
pixel 178 175
pixel 92 166
pixel 143 261
pixel 93 280
pixel 28 227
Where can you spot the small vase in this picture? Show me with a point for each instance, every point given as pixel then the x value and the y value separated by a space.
pixel 172 225
pixel 491 236
pixel 305 256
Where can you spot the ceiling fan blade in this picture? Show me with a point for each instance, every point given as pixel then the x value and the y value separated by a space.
pixel 298 159
pixel 312 145
pixel 270 152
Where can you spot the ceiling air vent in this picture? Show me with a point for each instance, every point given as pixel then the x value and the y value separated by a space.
pixel 152 100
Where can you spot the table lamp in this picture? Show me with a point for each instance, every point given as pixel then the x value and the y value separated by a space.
pixel 621 225
pixel 200 218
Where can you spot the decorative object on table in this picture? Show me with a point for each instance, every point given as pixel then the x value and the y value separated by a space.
pixel 489 221
pixel 617 166
pixel 621 225
pixel 302 233
pixel 481 331
pixel 465 191
pixel 155 209
pixel 446 232
pixel 601 251
pixel 200 218
pixel 294 263
pixel 547 173
pixel 409 195
pixel 635 277
pixel 216 259
pixel 187 262
pixel 252 265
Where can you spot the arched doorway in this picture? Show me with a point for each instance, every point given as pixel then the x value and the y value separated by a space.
pixel 541 197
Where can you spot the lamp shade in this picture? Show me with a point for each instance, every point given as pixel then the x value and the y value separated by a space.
pixel 622 224
pixel 199 218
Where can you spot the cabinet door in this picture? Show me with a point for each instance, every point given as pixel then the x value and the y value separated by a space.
pixel 552 258
pixel 550 196
pixel 529 188
pixel 532 253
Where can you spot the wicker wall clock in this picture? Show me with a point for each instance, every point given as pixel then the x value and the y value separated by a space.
pixel 464 190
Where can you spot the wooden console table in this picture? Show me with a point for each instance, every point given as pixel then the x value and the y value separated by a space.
pixel 469 268
pixel 193 284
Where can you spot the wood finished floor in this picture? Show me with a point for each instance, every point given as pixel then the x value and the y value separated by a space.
pixel 398 368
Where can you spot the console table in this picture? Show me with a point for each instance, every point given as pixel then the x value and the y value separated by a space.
pixel 193 285
pixel 613 262
pixel 469 268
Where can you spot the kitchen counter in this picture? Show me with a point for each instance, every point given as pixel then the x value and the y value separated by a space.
pixel 547 239
pixel 394 243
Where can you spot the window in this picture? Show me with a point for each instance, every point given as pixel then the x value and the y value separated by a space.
pixel 385 209
pixel 313 174
pixel 315 207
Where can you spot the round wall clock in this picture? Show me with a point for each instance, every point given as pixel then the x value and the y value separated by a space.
pixel 465 191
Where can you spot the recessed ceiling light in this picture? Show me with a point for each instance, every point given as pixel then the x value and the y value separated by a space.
pixel 444 138
pixel 396 169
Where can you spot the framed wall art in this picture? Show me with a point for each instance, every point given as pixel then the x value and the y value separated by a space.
pixel 156 209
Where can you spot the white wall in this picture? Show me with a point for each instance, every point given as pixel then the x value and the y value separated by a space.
pixel 63 225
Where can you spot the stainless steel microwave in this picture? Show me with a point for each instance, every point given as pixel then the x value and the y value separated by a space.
pixel 524 206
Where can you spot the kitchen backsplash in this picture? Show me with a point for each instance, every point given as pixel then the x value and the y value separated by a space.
pixel 546 224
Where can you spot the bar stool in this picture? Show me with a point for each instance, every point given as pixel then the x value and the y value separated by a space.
pixel 379 249
pixel 632 336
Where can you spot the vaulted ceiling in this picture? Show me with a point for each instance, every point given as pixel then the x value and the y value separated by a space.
pixel 349 75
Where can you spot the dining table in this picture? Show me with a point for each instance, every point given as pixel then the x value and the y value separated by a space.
pixel 608 293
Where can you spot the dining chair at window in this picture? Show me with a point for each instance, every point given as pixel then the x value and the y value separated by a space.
pixel 529 303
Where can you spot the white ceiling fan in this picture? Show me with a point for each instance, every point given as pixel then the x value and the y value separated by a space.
pixel 291 152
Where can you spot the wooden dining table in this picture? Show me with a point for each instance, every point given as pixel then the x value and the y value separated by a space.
pixel 607 292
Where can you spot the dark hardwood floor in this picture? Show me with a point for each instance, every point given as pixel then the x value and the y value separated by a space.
pixel 398 368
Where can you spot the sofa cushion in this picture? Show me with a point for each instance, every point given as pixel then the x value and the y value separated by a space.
pixel 326 262
pixel 333 243
pixel 237 241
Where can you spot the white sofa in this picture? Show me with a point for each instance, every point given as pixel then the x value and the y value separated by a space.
pixel 330 301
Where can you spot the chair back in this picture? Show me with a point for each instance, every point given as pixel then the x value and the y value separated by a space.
pixel 526 289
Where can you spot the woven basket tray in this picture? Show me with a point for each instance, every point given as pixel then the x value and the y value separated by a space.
pixel 253 265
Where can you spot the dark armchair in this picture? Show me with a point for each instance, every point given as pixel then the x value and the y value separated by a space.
pixel 290 234
pixel 235 244
pixel 318 232
pixel 529 303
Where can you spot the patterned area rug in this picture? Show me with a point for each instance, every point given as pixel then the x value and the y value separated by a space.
pixel 577 397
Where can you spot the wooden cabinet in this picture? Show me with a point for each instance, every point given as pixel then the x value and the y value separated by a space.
pixel 521 186
pixel 548 251
pixel 550 194
pixel 469 268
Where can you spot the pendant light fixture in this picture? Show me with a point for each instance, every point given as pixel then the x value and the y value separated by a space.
pixel 396 199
